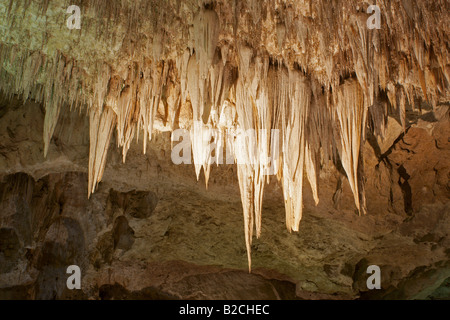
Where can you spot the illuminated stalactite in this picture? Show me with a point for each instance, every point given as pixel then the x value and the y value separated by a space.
pixel 101 126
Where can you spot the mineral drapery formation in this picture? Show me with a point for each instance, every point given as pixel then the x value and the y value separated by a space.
pixel 313 70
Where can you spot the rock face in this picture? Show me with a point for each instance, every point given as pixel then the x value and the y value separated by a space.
pixel 362 116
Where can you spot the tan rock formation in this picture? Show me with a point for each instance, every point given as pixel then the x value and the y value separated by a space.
pixel 362 116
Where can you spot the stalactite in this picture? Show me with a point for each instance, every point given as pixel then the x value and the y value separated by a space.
pixel 351 113
pixel 294 143
pixel 101 126
pixel 312 171
pixel 245 151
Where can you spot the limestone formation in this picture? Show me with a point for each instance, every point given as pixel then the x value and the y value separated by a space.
pixel 307 84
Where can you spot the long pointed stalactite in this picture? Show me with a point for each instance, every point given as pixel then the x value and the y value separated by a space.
pixel 314 80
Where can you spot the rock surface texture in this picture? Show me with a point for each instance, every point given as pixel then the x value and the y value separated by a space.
pixel 355 120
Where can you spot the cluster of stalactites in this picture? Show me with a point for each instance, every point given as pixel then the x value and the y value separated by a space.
pixel 232 87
